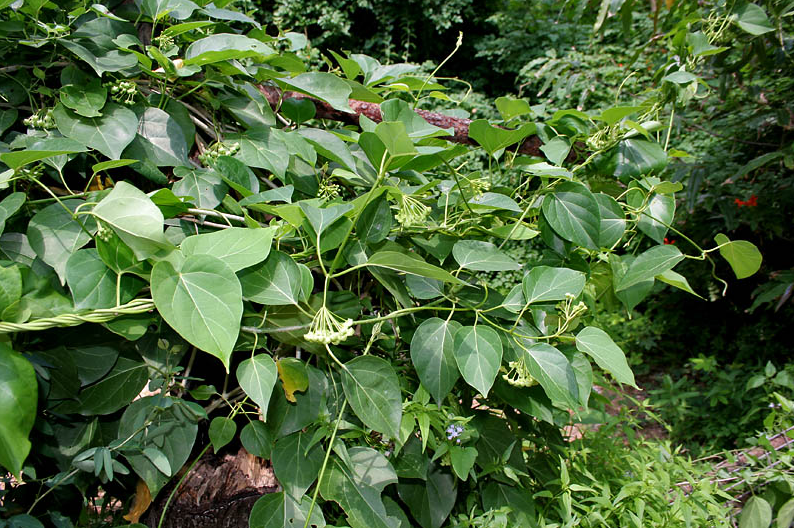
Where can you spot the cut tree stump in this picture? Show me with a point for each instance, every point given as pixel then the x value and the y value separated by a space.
pixel 219 492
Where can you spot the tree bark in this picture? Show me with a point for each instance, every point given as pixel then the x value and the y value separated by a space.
pixel 530 146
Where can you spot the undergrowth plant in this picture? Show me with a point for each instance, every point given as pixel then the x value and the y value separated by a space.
pixel 310 291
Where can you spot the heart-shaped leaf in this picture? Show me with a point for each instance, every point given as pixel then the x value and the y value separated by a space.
pixel 478 353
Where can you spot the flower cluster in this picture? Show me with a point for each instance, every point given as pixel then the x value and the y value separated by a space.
pixel 750 202
pixel 163 41
pixel 328 190
pixel 518 375
pixel 412 211
pixel 479 186
pixel 216 150
pixel 103 232
pixel 42 119
pixel 326 328
pixel 454 431
pixel 123 91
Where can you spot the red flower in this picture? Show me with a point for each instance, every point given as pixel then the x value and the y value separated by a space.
pixel 751 202
pixel 669 241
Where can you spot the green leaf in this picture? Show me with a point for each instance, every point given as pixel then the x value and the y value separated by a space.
pixel 371 467
pixel 544 283
pixel 277 282
pixel 753 19
pixel 134 218
pixel 321 219
pixel 9 206
pixel 615 114
pixel 510 108
pixel 556 150
pixel 462 459
pixel 329 146
pixel 396 140
pixel 677 280
pixel 221 432
pixel 111 61
pixel 430 502
pixel 432 355
pixel 237 175
pixel 606 353
pixel 18 401
pixel 375 222
pixel 93 284
pixel 205 187
pixel 648 265
pixel 238 247
pixel 494 201
pixel 111 393
pixel 680 77
pixel 785 515
pixel 160 140
pixel 482 256
pixel 295 464
pixel 415 125
pixel 494 139
pixel 168 430
pixel 654 221
pixel 478 353
pixel 202 301
pixel 757 513
pixel 743 256
pixel 298 110
pixel 10 286
pixel 279 510
pixel 613 221
pixel 222 47
pixel 633 295
pixel 361 503
pixel 634 158
pixel 85 99
pixel 109 134
pixel 41 151
pixel 54 235
pixel 413 265
pixel 574 214
pixel 119 257
pixel 256 439
pixel 257 377
pixel 373 391
pixel 554 373
pixel 324 86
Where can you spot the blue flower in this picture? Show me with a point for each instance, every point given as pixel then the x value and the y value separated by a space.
pixel 454 431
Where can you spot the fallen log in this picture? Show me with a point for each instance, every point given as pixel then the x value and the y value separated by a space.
pixel 530 146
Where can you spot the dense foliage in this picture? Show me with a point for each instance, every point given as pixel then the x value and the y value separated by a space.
pixel 339 300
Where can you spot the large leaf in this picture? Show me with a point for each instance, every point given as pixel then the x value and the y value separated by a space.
pixel 752 18
pixel 134 218
pixel 757 513
pixel 649 264
pixel 432 355
pixel 296 463
pixel 321 219
pixel 482 256
pixel 41 150
pixel 373 390
pixel 375 222
pixel 9 206
pixel 654 221
pixel 18 400
pixel 202 301
pixel 109 134
pixel 743 256
pixel 204 187
pixel 613 221
pixel 93 284
pixel 160 140
pixel 413 265
pixel 574 214
pixel 259 147
pixel 324 86
pixel 597 343
pixel 257 377
pixel 54 234
pixel 494 139
pixel 238 247
pixel 222 47
pixel 112 392
pixel 554 372
pixel 544 283
pixel 430 502
pixel 279 510
pixel 361 502
pixel 277 282
pixel 478 353
pixel 167 430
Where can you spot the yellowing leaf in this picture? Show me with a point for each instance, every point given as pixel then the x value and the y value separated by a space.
pixel 141 502
pixel 293 376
